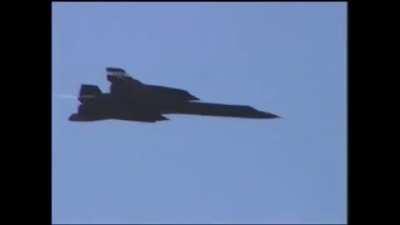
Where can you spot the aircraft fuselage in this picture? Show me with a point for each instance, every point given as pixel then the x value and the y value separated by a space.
pixel 130 99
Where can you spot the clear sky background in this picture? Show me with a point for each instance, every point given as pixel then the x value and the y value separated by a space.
pixel 285 58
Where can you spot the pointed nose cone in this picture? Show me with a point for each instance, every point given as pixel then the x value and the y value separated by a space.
pixel 268 115
pixel 274 116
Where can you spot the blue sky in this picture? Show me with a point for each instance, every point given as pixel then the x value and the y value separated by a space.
pixel 285 58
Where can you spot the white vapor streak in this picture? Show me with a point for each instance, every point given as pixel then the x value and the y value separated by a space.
pixel 65 96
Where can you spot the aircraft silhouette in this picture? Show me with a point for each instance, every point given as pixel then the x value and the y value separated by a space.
pixel 130 99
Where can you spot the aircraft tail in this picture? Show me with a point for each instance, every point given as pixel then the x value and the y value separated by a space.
pixel 88 91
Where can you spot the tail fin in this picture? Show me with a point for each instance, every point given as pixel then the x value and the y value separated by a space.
pixel 88 91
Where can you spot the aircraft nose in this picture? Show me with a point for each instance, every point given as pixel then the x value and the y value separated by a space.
pixel 274 116
pixel 270 115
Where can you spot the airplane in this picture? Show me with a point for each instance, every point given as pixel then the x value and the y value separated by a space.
pixel 130 99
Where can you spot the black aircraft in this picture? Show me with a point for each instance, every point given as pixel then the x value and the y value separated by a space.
pixel 130 99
